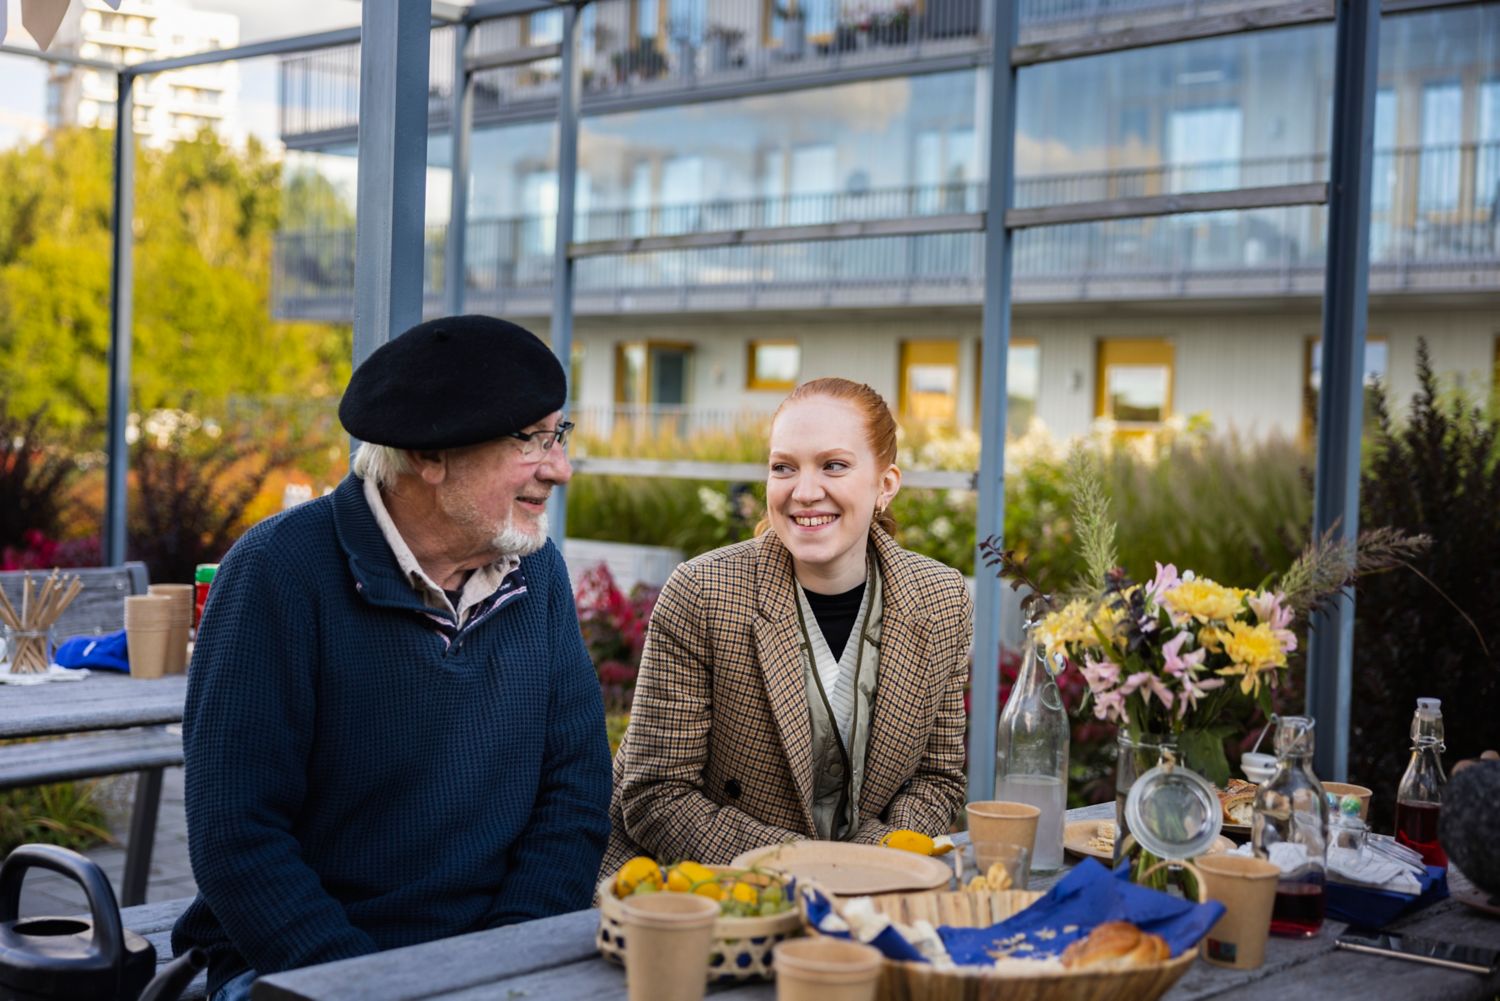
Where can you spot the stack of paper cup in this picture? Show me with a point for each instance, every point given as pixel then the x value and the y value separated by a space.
pixel 150 628
pixel 182 621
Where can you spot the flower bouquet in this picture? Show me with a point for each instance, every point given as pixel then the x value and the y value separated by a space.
pixel 1177 659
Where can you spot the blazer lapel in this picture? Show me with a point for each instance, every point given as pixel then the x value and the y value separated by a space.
pixel 778 642
pixel 903 687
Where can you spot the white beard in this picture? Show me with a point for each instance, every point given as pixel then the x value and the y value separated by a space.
pixel 511 541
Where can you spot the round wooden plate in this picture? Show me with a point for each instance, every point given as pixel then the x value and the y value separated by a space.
pixel 1077 834
pixel 849 869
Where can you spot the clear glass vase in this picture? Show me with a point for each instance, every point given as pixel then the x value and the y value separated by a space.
pixel 1137 756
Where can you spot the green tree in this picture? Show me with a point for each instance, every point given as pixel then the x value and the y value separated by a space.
pixel 205 219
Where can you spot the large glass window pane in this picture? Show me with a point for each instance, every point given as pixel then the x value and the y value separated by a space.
pixel 1382 173
pixel 1487 168
pixel 1203 145
pixel 814 179
pixel 1442 129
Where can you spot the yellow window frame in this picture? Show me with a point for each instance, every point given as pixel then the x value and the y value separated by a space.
pixel 753 379
pixel 1133 352
pixel 919 407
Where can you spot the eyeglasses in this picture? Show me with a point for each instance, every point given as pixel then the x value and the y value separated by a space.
pixel 535 443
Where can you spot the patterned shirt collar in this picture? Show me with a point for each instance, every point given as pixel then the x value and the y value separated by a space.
pixel 481 583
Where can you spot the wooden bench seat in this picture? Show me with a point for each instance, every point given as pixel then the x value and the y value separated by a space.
pixel 154 922
pixel 108 752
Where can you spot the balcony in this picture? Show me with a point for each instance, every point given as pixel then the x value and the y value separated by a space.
pixel 640 52
pixel 1435 227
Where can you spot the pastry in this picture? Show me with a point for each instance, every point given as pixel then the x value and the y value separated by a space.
pixel 1116 945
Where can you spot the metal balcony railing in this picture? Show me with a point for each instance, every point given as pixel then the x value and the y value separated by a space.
pixel 1435 211
pixel 655 46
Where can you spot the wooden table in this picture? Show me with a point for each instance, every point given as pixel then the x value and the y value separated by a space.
pixel 106 701
pixel 102 701
pixel 554 959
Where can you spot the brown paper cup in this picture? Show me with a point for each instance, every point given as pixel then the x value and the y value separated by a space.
pixel 826 969
pixel 667 941
pixel 148 610
pixel 1342 789
pixel 997 821
pixel 148 650
pixel 180 615
pixel 1247 889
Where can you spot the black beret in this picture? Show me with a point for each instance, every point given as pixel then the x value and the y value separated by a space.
pixel 458 380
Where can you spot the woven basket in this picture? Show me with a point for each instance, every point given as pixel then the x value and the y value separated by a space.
pixel 742 946
pixel 922 982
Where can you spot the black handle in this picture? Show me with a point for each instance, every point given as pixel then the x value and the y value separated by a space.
pixel 109 938
pixel 173 979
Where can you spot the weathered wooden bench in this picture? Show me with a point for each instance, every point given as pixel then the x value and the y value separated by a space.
pixel 100 608
pixel 154 923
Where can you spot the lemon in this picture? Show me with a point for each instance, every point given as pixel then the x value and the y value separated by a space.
pixel 639 871
pixel 745 893
pixel 908 841
pixel 690 877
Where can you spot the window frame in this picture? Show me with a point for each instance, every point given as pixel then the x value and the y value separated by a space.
pixel 753 379
pixel 931 347
pixel 1134 352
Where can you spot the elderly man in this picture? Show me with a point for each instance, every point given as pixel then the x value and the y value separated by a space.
pixel 394 733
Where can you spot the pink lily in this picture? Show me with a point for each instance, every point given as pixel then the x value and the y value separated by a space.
pixel 1109 706
pixel 1151 683
pixel 1178 666
pixel 1101 675
pixel 1166 579
pixel 1269 609
pixel 1192 689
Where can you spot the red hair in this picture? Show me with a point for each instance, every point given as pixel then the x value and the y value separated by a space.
pixel 880 426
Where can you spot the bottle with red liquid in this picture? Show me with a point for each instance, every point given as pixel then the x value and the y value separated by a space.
pixel 1290 827
pixel 1420 798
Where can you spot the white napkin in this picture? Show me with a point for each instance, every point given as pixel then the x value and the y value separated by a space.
pixel 1364 869
pixel 54 672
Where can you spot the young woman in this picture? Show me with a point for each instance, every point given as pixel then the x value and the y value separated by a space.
pixel 807 683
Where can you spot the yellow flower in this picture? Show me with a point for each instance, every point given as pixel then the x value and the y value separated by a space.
pixel 1211 638
pixel 1255 646
pixel 1256 653
pixel 1205 600
pixel 1069 624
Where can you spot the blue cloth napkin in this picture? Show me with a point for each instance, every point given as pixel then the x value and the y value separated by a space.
pixel 1085 898
pixel 1362 905
pixel 890 942
pixel 108 652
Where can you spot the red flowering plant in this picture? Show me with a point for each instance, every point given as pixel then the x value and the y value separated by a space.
pixel 614 630
pixel 39 552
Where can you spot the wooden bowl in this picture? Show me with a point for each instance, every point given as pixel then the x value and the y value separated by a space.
pixel 741 948
pixel 923 982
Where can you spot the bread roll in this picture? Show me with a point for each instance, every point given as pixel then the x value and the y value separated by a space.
pixel 1116 945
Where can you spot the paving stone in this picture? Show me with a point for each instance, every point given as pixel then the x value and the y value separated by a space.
pixel 171 872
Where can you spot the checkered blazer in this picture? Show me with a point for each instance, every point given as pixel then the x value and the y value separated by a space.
pixel 718 757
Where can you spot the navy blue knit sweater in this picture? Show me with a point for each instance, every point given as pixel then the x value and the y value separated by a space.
pixel 362 777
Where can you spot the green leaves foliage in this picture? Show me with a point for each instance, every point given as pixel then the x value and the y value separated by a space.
pixel 205 216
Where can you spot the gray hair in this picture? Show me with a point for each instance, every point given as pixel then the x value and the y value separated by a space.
pixel 380 463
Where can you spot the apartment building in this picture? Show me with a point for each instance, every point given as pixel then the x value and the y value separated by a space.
pixel 704 115
pixel 169 107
